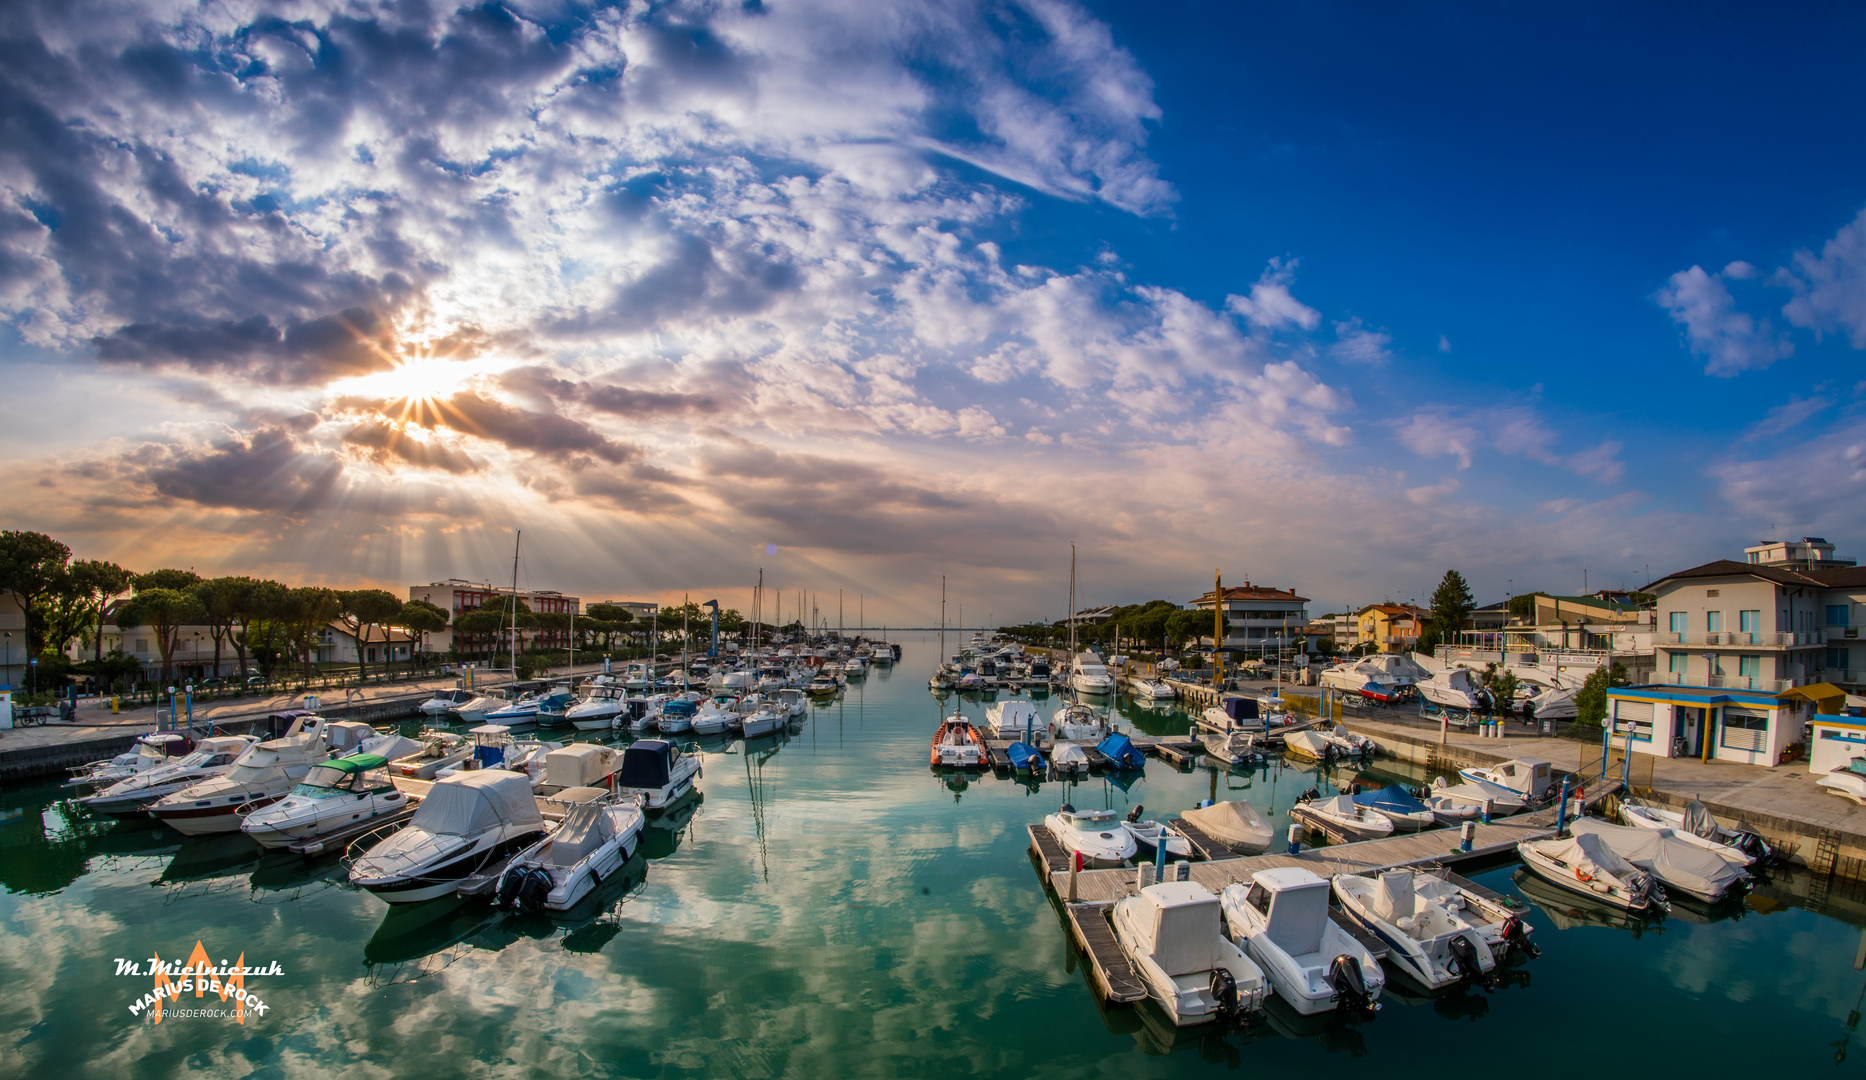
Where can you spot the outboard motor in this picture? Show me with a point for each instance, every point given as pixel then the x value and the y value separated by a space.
pixel 508 889
pixel 1350 986
pixel 1225 992
pixel 1464 962
pixel 1134 814
pixel 534 889
pixel 1068 808
pixel 1516 936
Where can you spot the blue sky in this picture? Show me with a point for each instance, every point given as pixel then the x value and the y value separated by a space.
pixel 1335 297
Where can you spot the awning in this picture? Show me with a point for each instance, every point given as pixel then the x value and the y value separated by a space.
pixel 1827 697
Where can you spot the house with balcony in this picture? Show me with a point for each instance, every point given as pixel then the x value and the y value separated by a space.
pixel 1754 626
pixel 1390 628
pixel 1258 619
pixel 456 595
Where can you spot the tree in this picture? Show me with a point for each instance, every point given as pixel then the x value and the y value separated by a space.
pixel 256 603
pixel 219 599
pixel 1590 702
pixel 421 618
pixel 1524 606
pixel 1184 625
pixel 304 614
pixel 165 579
pixel 731 623
pixel 366 608
pixel 164 611
pixel 102 582
pixel 1502 684
pixel 486 621
pixel 1451 605
pixel 32 565
pixel 75 605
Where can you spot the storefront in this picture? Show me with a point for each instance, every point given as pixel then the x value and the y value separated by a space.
pixel 1751 727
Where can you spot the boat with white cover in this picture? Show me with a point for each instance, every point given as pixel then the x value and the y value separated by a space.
pixel 1342 818
pixel 437 750
pixel 335 796
pixel 1308 744
pixel 1696 825
pixel 1387 669
pixel 1682 867
pixel 657 772
pixel 713 719
pixel 1173 934
pixel 591 843
pixel 1237 748
pixel 1097 835
pixel 1154 689
pixel 1069 759
pixel 1236 824
pixel 1525 777
pixel 1076 722
pixel 131 797
pixel 1015 719
pixel 265 773
pixel 1427 935
pixel 1281 921
pixel 465 823
pixel 1585 863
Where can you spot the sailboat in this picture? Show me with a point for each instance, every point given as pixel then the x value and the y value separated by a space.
pixel 941 680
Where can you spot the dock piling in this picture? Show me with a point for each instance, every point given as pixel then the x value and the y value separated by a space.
pixel 1295 838
pixel 1075 868
pixel 1465 834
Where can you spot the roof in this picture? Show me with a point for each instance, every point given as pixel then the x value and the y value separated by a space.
pixel 1279 878
pixel 1694 695
pixel 1247 591
pixel 1845 577
pixel 1396 609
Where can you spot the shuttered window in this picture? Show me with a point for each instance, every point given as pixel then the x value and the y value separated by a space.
pixel 1745 730
pixel 1633 719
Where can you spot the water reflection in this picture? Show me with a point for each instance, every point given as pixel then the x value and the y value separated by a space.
pixel 1567 909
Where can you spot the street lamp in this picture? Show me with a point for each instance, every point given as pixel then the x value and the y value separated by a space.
pixel 32 676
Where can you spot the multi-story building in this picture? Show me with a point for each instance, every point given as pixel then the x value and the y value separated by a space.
pixel 13 646
pixel 1390 627
pixel 1807 553
pixel 1259 619
pixel 642 610
pixel 456 596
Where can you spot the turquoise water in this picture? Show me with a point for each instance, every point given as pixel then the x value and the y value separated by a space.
pixel 831 907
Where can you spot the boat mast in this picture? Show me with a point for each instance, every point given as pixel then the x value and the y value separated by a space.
pixel 515 538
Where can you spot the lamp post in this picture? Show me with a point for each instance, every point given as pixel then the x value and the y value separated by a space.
pixel 32 675
pixel 8 636
pixel 171 708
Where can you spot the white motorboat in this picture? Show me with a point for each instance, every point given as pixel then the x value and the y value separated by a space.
pixel 1088 675
pixel 1697 825
pixel 1173 935
pixel 1154 689
pixel 599 710
pixel 1281 921
pixel 1548 702
pixel 1149 835
pixel 578 765
pixel 495 748
pixel 1682 867
pixel 149 751
pixel 762 720
pixel 1428 935
pixel 1237 824
pixel 465 825
pixel 438 750
pixel 1585 863
pixel 1069 759
pixel 1399 806
pixel 1237 748
pixel 446 701
pixel 1455 689
pixel 957 744
pixel 656 771
pixel 1308 744
pixel 131 797
pixel 474 710
pixel 336 796
pixel 713 719
pixel 592 842
pixel 1525 777
pixel 1342 819
pixel 1347 744
pixel 1232 715
pixel 1447 810
pixel 1387 669
pixel 1472 795
pixel 265 773
pixel 793 702
pixel 855 668
pixel 1015 719
pixel 1078 723
pixel 1097 835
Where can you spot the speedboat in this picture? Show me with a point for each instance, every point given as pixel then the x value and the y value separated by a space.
pixel 1399 806
pixel 1281 921
pixel 1454 689
pixel 1154 689
pixel 1549 703
pixel 1347 744
pixel 149 751
pixel 1341 817
pixel 855 668
pixel 1308 744
pixel 335 796
pixel 1173 935
pixel 438 750
pixel 465 825
pixel 793 702
pixel 263 775
pixel 1232 715
pixel 1149 835
pixel 677 715
pixel 1428 935
pixel 713 719
pixel 599 711
pixel 1585 863
pixel 1012 720
pixel 1238 825
pixel 1096 835
pixel 554 707
pixel 762 720
pixel 1696 825
pixel 657 772
pixel 1237 748
pixel 822 685
pixel 1077 723
pixel 1474 794
pixel 1682 867
pixel 1389 669
pixel 1088 675
pixel 517 713
pixel 591 843
pixel 446 701
pixel 1447 810
pixel 209 758
pixel 1526 778
pixel 957 744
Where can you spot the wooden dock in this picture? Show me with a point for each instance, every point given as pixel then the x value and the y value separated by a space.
pixel 1114 975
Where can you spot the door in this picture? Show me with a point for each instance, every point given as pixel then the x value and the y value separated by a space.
pixel 1693 729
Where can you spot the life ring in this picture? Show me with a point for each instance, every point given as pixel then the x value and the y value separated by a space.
pixel 1582 875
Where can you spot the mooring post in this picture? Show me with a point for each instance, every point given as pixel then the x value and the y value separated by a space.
pixel 1295 838
pixel 1075 867
pixel 1561 812
pixel 1489 806
pixel 1159 858
pixel 1465 834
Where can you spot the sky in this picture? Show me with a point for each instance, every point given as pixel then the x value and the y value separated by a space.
pixel 1330 297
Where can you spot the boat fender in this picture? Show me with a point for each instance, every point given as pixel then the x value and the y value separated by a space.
pixel 1464 954
pixel 1224 990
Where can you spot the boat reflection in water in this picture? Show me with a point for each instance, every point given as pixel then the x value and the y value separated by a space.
pixel 205 858
pixel 1216 1044
pixel 661 833
pixel 410 934
pixel 591 922
pixel 283 876
pixel 1567 909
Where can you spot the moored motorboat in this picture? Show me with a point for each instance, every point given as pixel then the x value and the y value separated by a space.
pixel 265 773
pixel 1697 826
pixel 1025 757
pixel 600 710
pixel 1585 863
pixel 1149 835
pixel 1681 866
pixel 1341 818
pixel 1173 935
pixel 131 797
pixel 1016 719
pixel 1236 824
pixel 1077 723
pixel 957 744
pixel 465 824
pixel 591 843
pixel 154 749
pixel 1069 759
pixel 1096 835
pixel 1428 934
pixel 1525 777
pixel 446 701
pixel 1281 921
pixel 1399 806
pixel 438 750
pixel 335 796
pixel 1154 689
pixel 1089 675
pixel 1308 744
pixel 657 772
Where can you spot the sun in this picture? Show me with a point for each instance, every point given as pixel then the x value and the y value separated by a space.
pixel 415 379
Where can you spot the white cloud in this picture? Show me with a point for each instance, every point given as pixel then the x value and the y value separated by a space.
pixel 1358 344
pixel 1444 344
pixel 1730 340
pixel 1830 288
pixel 1270 306
pixel 1512 430
pixel 1787 416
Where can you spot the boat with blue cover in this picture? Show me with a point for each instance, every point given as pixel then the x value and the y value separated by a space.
pixel 1121 751
pixel 1400 806
pixel 1025 757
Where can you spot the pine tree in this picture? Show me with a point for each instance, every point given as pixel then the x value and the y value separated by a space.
pixel 1451 605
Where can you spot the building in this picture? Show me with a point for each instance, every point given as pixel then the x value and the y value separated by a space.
pixel 13 646
pixel 1094 616
pixel 336 644
pixel 456 596
pixel 1807 553
pixel 642 610
pixel 1390 627
pixel 1749 727
pixel 1747 625
pixel 1259 618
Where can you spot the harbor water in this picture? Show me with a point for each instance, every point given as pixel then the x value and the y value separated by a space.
pixel 833 907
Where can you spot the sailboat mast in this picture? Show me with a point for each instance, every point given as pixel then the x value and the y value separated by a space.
pixel 516 536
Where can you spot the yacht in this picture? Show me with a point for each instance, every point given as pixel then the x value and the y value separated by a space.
pixel 1437 932
pixel 600 709
pixel 265 773
pixel 1088 675
pixel 1173 935
pixel 591 843
pixel 763 719
pixel 1012 720
pixel 446 701
pixel 1281 921
pixel 1386 669
pixel 1096 835
pixel 131 797
pixel 1078 723
pixel 149 751
pixel 336 796
pixel 465 824
pixel 1154 689
pixel 657 772
pixel 1455 689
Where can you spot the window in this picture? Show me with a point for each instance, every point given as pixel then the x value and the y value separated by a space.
pixel 1713 621
pixel 1837 659
pixel 1680 662
pixel 1713 593
pixel 1749 667
pixel 1678 622
pixel 1836 614
pixel 1744 730
pixel 1750 622
pixel 1633 719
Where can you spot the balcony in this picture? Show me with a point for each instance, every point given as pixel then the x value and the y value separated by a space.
pixel 1841 633
pixel 1729 682
pixel 1744 639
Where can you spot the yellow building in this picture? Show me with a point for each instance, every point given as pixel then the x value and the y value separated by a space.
pixel 1390 627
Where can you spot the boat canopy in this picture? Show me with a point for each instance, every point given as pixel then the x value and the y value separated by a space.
pixel 1298 908
pixel 1023 755
pixel 577 765
pixel 1121 750
pixel 356 763
pixel 1588 852
pixel 1236 823
pixel 586 827
pixel 1392 797
pixel 1178 922
pixel 471 802
pixel 648 764
pixel 1673 860
pixel 1242 708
